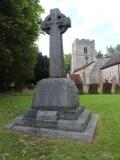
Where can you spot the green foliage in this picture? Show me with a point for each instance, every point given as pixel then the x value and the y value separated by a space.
pixel 117 48
pixel 67 63
pixel 111 50
pixel 106 146
pixel 41 67
pixel 99 54
pixel 19 29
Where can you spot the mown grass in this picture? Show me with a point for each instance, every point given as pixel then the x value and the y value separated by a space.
pixel 106 145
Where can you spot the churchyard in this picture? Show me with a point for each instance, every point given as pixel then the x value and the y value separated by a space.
pixel 54 122
pixel 105 146
pixel 55 110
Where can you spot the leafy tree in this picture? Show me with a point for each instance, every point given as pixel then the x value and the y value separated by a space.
pixel 99 54
pixel 19 29
pixel 67 63
pixel 41 67
pixel 117 48
pixel 111 50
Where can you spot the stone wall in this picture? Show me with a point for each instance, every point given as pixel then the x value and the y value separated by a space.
pixel 92 73
pixel 85 73
pixel 110 74
pixel 96 75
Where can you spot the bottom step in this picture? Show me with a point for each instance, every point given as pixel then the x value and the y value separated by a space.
pixel 75 125
pixel 87 135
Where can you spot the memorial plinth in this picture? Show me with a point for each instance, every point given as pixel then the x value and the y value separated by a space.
pixel 56 111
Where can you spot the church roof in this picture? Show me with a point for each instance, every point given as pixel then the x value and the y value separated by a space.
pixel 115 59
pixel 85 65
pixel 75 77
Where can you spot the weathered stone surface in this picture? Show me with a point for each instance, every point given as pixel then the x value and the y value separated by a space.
pixel 75 125
pixel 55 25
pixel 55 92
pixel 42 123
pixel 30 113
pixel 70 114
pixel 46 115
pixel 96 72
pixel 87 135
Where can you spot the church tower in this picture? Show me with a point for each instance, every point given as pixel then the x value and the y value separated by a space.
pixel 83 52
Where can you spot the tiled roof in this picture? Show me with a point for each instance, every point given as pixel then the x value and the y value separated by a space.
pixel 75 77
pixel 115 59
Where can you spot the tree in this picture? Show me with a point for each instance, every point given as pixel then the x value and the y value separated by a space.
pixel 67 63
pixel 111 50
pixel 99 54
pixel 41 67
pixel 19 29
pixel 117 48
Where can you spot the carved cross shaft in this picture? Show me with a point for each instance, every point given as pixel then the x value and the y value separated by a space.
pixel 55 25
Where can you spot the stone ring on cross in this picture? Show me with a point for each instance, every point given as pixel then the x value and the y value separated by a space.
pixel 58 19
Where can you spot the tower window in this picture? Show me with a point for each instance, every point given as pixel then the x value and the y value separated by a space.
pixel 85 50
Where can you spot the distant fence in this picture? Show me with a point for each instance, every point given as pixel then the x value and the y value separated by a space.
pixel 105 88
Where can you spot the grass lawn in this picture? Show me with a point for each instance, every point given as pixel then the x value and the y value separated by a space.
pixel 106 145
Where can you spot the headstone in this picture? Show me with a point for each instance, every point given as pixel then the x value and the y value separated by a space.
pixel 79 86
pixel 93 88
pixel 55 110
pixel 117 88
pixel 107 87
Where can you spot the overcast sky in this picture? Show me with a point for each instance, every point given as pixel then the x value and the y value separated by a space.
pixel 91 19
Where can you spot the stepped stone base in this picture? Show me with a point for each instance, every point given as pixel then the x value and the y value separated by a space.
pixel 48 124
pixel 56 113
pixel 86 135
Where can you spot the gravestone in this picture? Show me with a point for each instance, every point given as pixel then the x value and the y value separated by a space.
pixel 107 87
pixel 55 110
pixel 117 88
pixel 79 86
pixel 93 88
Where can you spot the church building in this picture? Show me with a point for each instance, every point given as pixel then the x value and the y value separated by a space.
pixel 83 52
pixel 85 63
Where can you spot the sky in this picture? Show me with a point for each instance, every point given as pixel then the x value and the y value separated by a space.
pixel 97 20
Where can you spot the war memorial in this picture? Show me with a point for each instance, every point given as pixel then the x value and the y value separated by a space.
pixel 56 111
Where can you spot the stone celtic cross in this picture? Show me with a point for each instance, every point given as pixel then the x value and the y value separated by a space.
pixel 55 25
